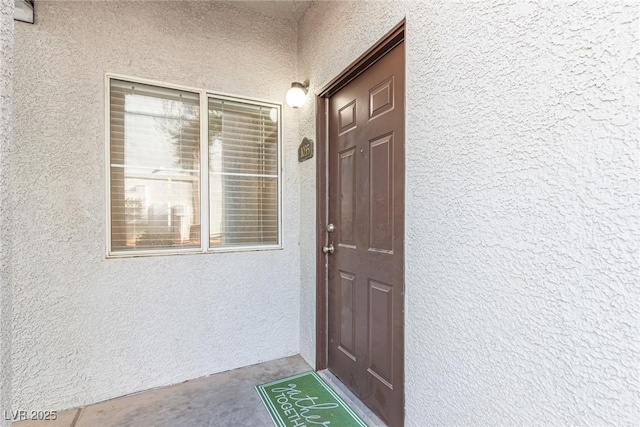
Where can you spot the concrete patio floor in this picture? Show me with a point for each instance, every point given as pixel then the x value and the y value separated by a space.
pixel 227 399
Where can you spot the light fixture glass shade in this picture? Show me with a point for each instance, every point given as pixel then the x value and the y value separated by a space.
pixel 296 95
pixel 23 11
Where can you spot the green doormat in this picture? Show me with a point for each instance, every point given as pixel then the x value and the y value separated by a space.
pixel 305 400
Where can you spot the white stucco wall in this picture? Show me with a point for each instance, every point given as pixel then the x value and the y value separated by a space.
pixel 6 144
pixel 88 328
pixel 523 201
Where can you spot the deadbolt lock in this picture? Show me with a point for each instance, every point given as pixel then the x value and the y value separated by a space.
pixel 331 228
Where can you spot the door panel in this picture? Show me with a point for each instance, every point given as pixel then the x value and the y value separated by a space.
pixel 347 117
pixel 347 314
pixel 381 332
pixel 381 98
pixel 347 179
pixel 381 194
pixel 366 205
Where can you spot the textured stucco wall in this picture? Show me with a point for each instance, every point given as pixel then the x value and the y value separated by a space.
pixel 6 144
pixel 523 201
pixel 87 328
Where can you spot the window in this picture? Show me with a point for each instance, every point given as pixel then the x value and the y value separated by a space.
pixel 160 200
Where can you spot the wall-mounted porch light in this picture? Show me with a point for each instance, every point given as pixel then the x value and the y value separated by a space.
pixel 23 11
pixel 297 94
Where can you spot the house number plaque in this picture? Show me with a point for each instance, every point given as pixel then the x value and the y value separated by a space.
pixel 305 150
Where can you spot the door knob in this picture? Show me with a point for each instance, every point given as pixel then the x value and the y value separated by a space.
pixel 328 249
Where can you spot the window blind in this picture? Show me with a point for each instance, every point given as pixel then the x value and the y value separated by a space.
pixel 155 167
pixel 243 174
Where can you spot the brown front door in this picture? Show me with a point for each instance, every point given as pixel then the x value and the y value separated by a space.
pixel 366 206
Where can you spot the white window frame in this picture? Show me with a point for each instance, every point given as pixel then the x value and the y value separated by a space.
pixel 204 95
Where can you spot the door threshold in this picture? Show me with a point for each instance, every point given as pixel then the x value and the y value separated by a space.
pixel 347 395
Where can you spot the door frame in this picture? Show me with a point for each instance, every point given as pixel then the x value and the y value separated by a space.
pixel 367 59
